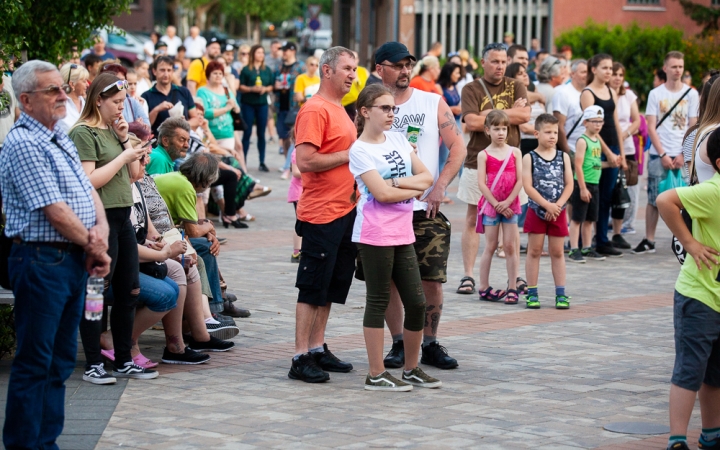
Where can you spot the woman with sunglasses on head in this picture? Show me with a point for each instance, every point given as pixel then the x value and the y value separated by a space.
pixel 110 160
pixel 389 176
pixel 76 76
pixel 133 110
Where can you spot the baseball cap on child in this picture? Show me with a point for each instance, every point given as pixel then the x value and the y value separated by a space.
pixel 593 112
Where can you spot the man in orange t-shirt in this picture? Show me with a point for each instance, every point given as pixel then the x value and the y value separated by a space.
pixel 326 215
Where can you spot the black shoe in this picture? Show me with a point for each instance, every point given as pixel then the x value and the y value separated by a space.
pixel 305 368
pixel 263 168
pixel 330 363
pixel 213 345
pixel 609 250
pixel 224 320
pixel 644 246
pixel 619 242
pixel 396 356
pixel 682 445
pixel 229 296
pixel 235 311
pixel 436 355
pixel 189 356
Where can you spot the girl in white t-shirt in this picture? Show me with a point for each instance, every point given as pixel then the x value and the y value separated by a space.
pixel 389 176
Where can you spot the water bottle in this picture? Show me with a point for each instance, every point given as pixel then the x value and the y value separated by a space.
pixel 94 298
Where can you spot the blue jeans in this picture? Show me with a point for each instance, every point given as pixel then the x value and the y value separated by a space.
pixel 49 288
pixel 156 294
pixel 258 115
pixel 202 246
pixel 608 178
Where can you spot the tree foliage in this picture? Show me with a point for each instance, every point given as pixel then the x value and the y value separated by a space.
pixel 705 16
pixel 49 29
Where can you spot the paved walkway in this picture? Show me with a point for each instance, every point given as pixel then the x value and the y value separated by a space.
pixel 527 379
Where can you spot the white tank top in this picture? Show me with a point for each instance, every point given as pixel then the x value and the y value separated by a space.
pixel 421 111
pixel 703 170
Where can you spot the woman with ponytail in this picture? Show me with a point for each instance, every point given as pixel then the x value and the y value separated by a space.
pixel 425 75
pixel 389 175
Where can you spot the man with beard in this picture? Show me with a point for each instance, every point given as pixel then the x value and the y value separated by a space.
pixel 173 143
pixel 164 95
pixel 196 77
pixel 425 118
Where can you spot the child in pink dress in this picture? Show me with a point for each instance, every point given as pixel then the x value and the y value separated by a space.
pixel 499 206
pixel 294 192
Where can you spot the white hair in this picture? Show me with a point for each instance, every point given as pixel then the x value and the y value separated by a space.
pixel 331 56
pixel 25 78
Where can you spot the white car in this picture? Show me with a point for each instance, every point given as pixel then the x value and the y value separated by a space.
pixel 313 40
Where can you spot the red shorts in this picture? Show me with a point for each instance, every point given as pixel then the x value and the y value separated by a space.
pixel 535 225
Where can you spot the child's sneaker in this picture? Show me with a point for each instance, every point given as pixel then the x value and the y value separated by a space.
pixel 532 302
pixel 704 443
pixel 576 256
pixel 562 302
pixel 644 246
pixel 590 253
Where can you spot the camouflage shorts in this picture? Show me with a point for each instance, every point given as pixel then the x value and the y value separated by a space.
pixel 432 245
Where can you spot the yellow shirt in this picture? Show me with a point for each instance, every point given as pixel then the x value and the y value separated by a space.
pixel 196 72
pixel 307 85
pixel 357 86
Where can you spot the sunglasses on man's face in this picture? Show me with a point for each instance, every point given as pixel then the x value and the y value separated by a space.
pixel 121 85
pixel 53 90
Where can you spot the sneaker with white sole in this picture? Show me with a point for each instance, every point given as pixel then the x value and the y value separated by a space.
pixel 645 246
pixel 188 357
pixel 386 382
pixel 132 370
pixel 418 378
pixel 96 375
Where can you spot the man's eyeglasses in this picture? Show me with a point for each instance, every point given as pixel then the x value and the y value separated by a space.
pixel 72 66
pixel 494 46
pixel 121 85
pixel 387 108
pixel 53 90
pixel 409 66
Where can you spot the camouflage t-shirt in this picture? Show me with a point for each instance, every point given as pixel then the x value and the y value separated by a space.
pixel 548 179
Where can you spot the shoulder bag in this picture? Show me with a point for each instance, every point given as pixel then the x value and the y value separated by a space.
pixel 238 122
pixel 479 227
pixel 672 108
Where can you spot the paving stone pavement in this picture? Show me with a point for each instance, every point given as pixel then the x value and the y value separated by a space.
pixel 527 379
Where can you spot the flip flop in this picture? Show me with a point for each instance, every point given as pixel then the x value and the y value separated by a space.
pixel 109 354
pixel 463 285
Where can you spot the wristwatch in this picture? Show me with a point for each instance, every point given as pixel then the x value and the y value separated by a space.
pixel 662 156
pixel 395 182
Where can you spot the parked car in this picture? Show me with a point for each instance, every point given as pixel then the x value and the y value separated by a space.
pixel 126 47
pixel 314 40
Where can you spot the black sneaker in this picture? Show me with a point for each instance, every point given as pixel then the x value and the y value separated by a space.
pixel 226 329
pixel 619 242
pixel 213 345
pixel 263 168
pixel 330 363
pixel 132 370
pixel 305 368
pixel 576 256
pixel 590 253
pixel 682 445
pixel 436 355
pixel 396 356
pixel 644 246
pixel 96 375
pixel 189 357
pixel 609 250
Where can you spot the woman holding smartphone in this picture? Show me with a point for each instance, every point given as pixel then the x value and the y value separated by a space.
pixel 110 161
pixel 389 176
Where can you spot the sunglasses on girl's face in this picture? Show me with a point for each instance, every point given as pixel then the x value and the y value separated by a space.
pixel 387 108
pixel 121 85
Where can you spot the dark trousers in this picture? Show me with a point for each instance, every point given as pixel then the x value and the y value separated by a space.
pixel 124 279
pixel 229 181
pixel 49 289
pixel 202 247
pixel 257 114
pixel 608 178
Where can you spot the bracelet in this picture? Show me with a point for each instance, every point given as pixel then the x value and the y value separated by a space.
pixel 125 141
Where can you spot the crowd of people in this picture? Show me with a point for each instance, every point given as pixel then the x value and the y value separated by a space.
pixel 114 172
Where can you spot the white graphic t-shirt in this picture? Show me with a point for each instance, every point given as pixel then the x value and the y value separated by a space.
pixel 566 101
pixel 377 223
pixel 673 129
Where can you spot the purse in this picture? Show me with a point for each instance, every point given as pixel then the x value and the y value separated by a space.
pixel 631 174
pixel 291 117
pixel 479 227
pixel 155 269
pixel 677 247
pixel 621 197
pixel 238 122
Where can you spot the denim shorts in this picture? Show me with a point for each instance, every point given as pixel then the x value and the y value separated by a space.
pixel 697 344
pixel 498 219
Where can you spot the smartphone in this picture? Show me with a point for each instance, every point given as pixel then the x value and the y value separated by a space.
pixel 150 143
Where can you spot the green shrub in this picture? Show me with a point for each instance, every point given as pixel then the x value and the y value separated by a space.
pixel 7 330
pixel 702 53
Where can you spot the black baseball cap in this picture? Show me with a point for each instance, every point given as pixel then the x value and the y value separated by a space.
pixel 289 46
pixel 393 52
pixel 212 40
pixel 160 44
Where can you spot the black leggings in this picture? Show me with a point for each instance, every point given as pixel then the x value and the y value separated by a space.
pixel 399 264
pixel 124 279
pixel 228 180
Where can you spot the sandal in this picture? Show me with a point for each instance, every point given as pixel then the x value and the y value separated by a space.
pixel 262 192
pixel 489 295
pixel 109 354
pixel 521 285
pixel 512 297
pixel 500 253
pixel 144 362
pixel 463 288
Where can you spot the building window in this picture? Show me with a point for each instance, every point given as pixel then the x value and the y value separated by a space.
pixel 648 2
pixel 715 2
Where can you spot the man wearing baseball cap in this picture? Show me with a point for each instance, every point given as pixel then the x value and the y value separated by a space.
pixel 585 198
pixel 196 77
pixel 425 118
pixel 285 103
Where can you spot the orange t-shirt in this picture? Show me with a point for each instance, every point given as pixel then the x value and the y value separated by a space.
pixel 424 85
pixel 326 195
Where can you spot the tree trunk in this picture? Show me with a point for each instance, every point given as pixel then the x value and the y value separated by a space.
pixel 201 13
pixel 248 26
pixel 256 30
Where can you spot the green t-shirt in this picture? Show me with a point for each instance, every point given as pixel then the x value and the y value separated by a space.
pixel 592 164
pixel 701 202
pixel 160 162
pixel 103 149
pixel 179 195
pixel 248 77
pixel 221 126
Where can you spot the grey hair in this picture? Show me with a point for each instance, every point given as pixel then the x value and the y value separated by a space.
pixel 201 169
pixel 576 63
pixel 169 127
pixel 331 56
pixel 25 78
pixel 550 68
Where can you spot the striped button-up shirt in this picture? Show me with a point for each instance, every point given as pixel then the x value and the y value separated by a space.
pixel 40 167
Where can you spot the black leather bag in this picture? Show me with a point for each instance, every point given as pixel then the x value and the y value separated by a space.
pixel 620 196
pixel 157 270
pixel 238 122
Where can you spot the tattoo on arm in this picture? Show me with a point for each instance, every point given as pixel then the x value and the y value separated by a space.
pixel 450 123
